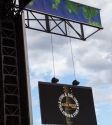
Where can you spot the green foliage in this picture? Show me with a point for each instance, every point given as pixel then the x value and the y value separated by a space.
pixel 89 13
pixel 72 7
pixel 31 3
pixel 56 4
pixel 95 24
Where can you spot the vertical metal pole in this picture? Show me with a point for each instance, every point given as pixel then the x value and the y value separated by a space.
pixel 27 70
pixel 65 28
pixel 28 18
pixel 82 31
pixel 47 23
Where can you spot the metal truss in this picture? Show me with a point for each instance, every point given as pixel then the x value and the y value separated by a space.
pixel 10 113
pixel 55 25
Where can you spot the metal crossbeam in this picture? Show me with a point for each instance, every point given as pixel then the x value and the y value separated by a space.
pixel 50 24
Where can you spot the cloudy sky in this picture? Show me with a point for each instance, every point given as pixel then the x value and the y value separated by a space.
pixel 92 59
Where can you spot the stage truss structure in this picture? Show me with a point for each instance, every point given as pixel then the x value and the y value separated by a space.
pixel 10 111
pixel 58 26
pixel 13 96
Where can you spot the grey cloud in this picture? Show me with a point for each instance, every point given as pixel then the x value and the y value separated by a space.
pixel 96 64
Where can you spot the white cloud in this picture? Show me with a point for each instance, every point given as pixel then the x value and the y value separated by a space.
pixel 34 82
pixel 102 95
pixel 35 101
pixel 38 121
pixel 98 111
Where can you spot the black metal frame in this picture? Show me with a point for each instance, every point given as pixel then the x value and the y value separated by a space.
pixel 10 112
pixel 57 21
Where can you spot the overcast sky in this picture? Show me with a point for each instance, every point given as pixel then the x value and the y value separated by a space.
pixel 92 59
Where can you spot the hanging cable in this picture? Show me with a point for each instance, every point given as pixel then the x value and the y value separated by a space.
pixel 53 80
pixel 53 55
pixel 72 55
pixel 52 51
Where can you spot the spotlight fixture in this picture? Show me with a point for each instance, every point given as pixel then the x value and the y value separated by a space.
pixel 54 80
pixel 75 82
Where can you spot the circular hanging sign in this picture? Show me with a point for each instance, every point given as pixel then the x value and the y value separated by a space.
pixel 68 105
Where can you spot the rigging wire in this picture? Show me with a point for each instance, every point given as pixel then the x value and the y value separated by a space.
pixel 53 55
pixel 72 55
pixel 53 80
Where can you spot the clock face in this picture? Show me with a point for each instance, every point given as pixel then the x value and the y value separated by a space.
pixel 65 104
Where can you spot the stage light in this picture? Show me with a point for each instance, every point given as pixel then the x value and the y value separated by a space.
pixel 75 82
pixel 54 80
